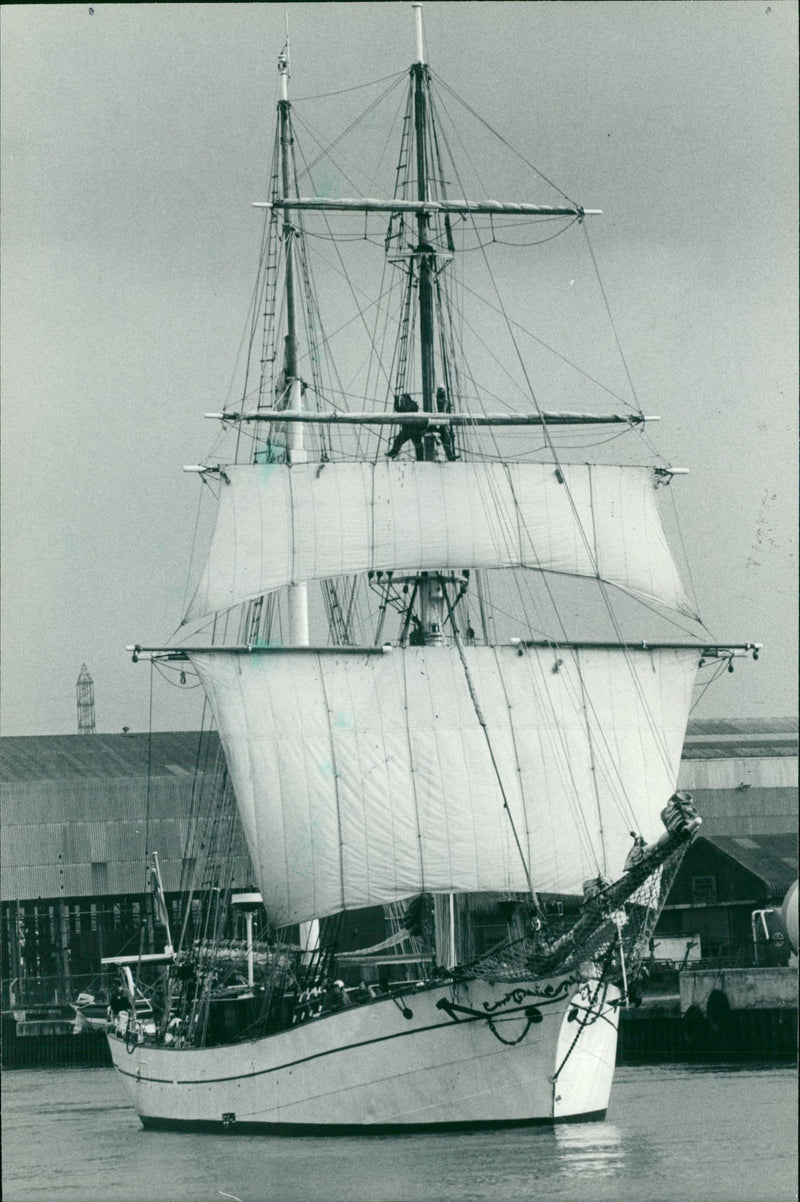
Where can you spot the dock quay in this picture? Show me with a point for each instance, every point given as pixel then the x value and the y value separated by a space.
pixel 716 1014
pixel 60 1049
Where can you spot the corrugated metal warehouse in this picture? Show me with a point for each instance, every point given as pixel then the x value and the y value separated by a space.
pixel 81 811
pixel 743 777
pixel 742 774
pixel 79 814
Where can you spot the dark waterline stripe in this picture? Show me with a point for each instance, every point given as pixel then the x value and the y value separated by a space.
pixel 290 1129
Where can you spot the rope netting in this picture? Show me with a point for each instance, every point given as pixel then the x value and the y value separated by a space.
pixel 606 933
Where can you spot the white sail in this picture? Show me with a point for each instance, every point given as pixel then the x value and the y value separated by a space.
pixel 280 525
pixel 365 778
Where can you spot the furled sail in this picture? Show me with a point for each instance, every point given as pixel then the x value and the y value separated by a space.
pixel 365 778
pixel 280 525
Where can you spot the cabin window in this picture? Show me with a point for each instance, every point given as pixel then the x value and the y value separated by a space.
pixel 488 935
pixel 704 890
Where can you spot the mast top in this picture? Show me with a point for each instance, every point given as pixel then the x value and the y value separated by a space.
pixel 417 7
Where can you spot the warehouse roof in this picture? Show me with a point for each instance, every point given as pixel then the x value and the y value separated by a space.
pixel 740 738
pixel 80 812
pixel 771 858
pixel 73 757
pixel 747 726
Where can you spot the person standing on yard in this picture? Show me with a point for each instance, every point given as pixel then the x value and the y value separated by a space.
pixel 406 433
pixel 445 432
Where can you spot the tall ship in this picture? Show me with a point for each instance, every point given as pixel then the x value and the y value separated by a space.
pixel 414 720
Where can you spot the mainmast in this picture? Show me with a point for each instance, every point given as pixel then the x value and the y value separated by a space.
pixel 430 588
pixel 423 249
pixel 293 390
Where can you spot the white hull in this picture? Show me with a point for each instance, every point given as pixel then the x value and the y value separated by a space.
pixel 506 1053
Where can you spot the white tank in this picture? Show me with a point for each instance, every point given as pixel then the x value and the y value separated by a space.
pixel 789 916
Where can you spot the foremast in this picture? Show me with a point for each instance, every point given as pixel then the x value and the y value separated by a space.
pixel 430 589
pixel 292 398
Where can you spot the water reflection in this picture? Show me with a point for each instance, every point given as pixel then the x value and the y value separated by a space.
pixel 594 1149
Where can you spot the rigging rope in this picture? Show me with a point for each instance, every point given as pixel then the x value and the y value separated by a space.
pixel 610 316
pixel 149 780
pixel 481 719
pixel 326 150
pixel 573 793
pixel 505 141
pixel 576 367
pixel 356 88
pixel 360 309
pixel 659 740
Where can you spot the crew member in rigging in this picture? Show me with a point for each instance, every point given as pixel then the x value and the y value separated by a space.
pixel 406 433
pixel 443 405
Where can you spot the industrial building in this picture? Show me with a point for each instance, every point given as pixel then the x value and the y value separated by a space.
pixel 81 812
pixel 723 881
pixel 743 777
pixel 742 774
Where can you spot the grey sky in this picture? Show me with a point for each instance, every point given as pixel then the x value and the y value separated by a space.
pixel 135 139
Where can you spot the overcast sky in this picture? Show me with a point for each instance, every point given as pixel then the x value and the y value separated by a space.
pixel 134 139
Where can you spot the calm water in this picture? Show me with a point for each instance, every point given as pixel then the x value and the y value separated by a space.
pixel 674 1134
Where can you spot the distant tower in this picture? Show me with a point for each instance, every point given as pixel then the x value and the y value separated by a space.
pixel 84 690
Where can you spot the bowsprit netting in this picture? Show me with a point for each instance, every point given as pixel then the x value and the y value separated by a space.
pixel 608 933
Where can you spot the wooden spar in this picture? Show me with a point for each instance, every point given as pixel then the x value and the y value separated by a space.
pixel 332 418
pixel 147 958
pixel 709 651
pixel 353 959
pixel 370 205
pixel 182 653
